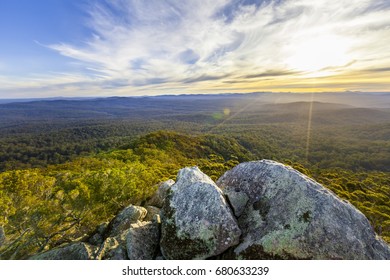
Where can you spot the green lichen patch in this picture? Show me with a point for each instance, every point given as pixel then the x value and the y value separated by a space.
pixel 179 247
pixel 306 217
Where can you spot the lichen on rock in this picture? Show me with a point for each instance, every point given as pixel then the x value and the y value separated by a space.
pixel 259 210
pixel 142 241
pixel 197 222
pixel 158 198
pixel 290 216
pixel 131 214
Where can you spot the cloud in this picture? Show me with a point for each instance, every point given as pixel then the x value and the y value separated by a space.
pixel 203 78
pixel 383 69
pixel 272 73
pixel 205 45
pixel 159 33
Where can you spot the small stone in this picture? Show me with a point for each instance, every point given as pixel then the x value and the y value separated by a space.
pixel 152 212
pixel 113 248
pixel 130 215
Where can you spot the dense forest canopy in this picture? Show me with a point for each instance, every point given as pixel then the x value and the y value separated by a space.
pixel 68 166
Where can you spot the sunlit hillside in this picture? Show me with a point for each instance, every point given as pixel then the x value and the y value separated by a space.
pixel 64 172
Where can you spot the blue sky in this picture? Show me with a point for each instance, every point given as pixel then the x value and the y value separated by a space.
pixel 25 26
pixel 134 47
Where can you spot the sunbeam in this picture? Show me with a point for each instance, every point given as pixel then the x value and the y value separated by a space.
pixel 308 134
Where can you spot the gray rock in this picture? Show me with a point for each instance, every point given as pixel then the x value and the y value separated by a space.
pixel 2 236
pixel 139 242
pixel 283 214
pixel 97 237
pixel 75 251
pixel 152 213
pixel 125 218
pixel 196 221
pixel 238 201
pixel 113 248
pixel 158 198
pixel 142 241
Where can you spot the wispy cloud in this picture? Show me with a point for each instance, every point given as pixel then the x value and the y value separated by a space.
pixel 196 45
pixel 273 73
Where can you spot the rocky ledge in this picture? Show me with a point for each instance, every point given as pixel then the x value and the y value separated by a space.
pixel 257 210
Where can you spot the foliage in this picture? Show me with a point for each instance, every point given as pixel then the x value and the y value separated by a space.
pixel 59 203
pixel 69 166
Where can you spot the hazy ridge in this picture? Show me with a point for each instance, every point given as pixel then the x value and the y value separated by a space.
pixel 65 160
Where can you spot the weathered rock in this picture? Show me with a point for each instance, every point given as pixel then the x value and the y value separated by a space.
pixel 143 240
pixel 113 248
pixel 197 223
pixel 152 212
pixel 97 237
pixel 125 218
pixel 75 251
pixel 139 242
pixel 285 215
pixel 158 198
pixel 2 236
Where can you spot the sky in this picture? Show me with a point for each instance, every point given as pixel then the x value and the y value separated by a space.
pixel 75 48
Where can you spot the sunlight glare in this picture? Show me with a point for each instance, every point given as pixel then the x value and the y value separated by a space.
pixel 319 54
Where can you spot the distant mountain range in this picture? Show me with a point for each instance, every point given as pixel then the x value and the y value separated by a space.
pixel 283 106
pixel 337 97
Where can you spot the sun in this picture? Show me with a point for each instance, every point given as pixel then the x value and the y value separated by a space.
pixel 318 54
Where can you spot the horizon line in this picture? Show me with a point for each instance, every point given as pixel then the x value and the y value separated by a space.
pixel 194 94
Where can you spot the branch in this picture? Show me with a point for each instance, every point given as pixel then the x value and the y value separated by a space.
pixel 15 241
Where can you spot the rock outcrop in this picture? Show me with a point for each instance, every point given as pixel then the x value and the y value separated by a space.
pixel 139 242
pixel 196 218
pixel 257 210
pixel 125 237
pixel 125 218
pixel 283 214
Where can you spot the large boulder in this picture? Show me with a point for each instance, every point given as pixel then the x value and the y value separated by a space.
pixel 196 221
pixel 75 251
pixel 283 214
pixel 124 219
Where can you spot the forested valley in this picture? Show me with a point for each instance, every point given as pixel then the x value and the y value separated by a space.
pixel 69 165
